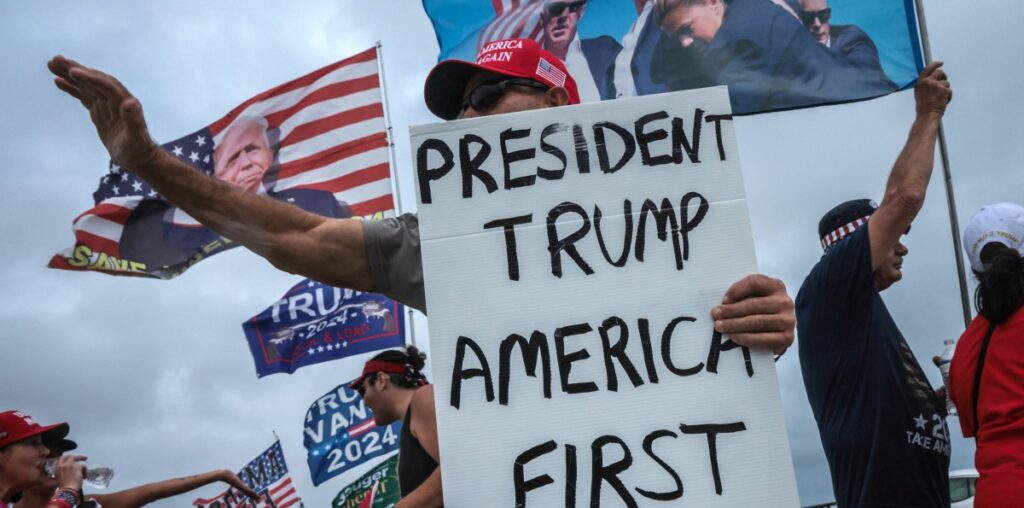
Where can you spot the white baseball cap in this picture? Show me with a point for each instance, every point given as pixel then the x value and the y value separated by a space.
pixel 1002 223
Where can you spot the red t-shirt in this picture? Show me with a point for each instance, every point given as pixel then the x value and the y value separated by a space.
pixel 1000 455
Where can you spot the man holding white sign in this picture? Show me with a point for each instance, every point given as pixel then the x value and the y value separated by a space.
pixel 572 258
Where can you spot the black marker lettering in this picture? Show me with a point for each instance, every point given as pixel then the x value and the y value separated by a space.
pixel 601 473
pixel 617 351
pixel 565 361
pixel 717 347
pixel 602 146
pixel 666 349
pixel 644 139
pixel 557 245
pixel 538 345
pixel 679 138
pixel 508 158
pixel 522 486
pixel 470 165
pixel 511 253
pixel 627 215
pixel 426 175
pixel 649 450
pixel 712 430
pixel 460 374
pixel 718 131
pixel 554 151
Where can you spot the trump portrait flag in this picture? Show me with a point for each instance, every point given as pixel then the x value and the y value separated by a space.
pixel 772 54
pixel 318 142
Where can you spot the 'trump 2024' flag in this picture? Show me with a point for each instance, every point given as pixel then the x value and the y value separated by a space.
pixel 268 476
pixel 340 434
pixel 772 54
pixel 318 142
pixel 315 323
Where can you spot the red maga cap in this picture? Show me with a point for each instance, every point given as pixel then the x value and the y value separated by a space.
pixel 515 58
pixel 374 366
pixel 16 426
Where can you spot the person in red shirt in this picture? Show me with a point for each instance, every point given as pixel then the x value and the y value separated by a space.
pixel 986 376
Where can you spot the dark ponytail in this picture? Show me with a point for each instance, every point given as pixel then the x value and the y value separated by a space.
pixel 1001 286
pixel 413 359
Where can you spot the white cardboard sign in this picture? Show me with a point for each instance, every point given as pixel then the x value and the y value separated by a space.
pixel 572 257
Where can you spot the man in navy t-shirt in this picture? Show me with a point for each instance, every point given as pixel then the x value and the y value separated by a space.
pixel 882 426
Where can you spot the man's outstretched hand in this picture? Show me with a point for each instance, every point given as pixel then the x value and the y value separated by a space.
pixel 757 313
pixel 116 114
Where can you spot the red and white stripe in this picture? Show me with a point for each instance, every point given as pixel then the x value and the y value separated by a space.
pixel 332 133
pixel 514 19
pixel 283 493
pixel 842 231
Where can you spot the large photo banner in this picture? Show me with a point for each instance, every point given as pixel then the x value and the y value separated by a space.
pixel 572 257
pixel 773 54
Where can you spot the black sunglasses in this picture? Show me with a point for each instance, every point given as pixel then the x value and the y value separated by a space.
pixel 488 93
pixel 823 16
pixel 557 8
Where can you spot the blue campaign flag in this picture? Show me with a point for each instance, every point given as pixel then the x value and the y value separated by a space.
pixel 315 323
pixel 773 54
pixel 340 434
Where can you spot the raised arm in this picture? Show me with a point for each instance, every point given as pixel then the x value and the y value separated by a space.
pixel 908 181
pixel 328 250
pixel 424 427
pixel 151 492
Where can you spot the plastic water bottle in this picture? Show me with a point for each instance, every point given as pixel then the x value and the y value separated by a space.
pixel 944 361
pixel 96 477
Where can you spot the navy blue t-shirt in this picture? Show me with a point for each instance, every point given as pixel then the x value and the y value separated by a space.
pixel 882 427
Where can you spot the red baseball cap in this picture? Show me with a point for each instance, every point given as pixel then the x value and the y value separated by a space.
pixel 515 58
pixel 15 426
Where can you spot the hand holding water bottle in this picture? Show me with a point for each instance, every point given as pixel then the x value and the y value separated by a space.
pixel 98 477
pixel 69 471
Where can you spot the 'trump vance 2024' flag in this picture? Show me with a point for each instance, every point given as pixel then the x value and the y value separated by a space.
pixel 268 476
pixel 315 323
pixel 772 54
pixel 318 142
pixel 340 434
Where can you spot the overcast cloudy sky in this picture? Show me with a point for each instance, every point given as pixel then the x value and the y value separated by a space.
pixel 155 376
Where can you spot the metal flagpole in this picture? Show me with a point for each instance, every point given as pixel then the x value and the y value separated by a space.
pixel 954 222
pixel 391 163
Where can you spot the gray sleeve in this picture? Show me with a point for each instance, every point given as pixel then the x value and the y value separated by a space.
pixel 393 250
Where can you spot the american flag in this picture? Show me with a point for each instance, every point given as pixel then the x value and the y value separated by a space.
pixel 513 19
pixel 328 135
pixel 268 476
pixel 550 72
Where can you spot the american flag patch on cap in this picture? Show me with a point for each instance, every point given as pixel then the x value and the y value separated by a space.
pixel 549 72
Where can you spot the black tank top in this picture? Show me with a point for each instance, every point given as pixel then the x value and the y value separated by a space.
pixel 414 463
